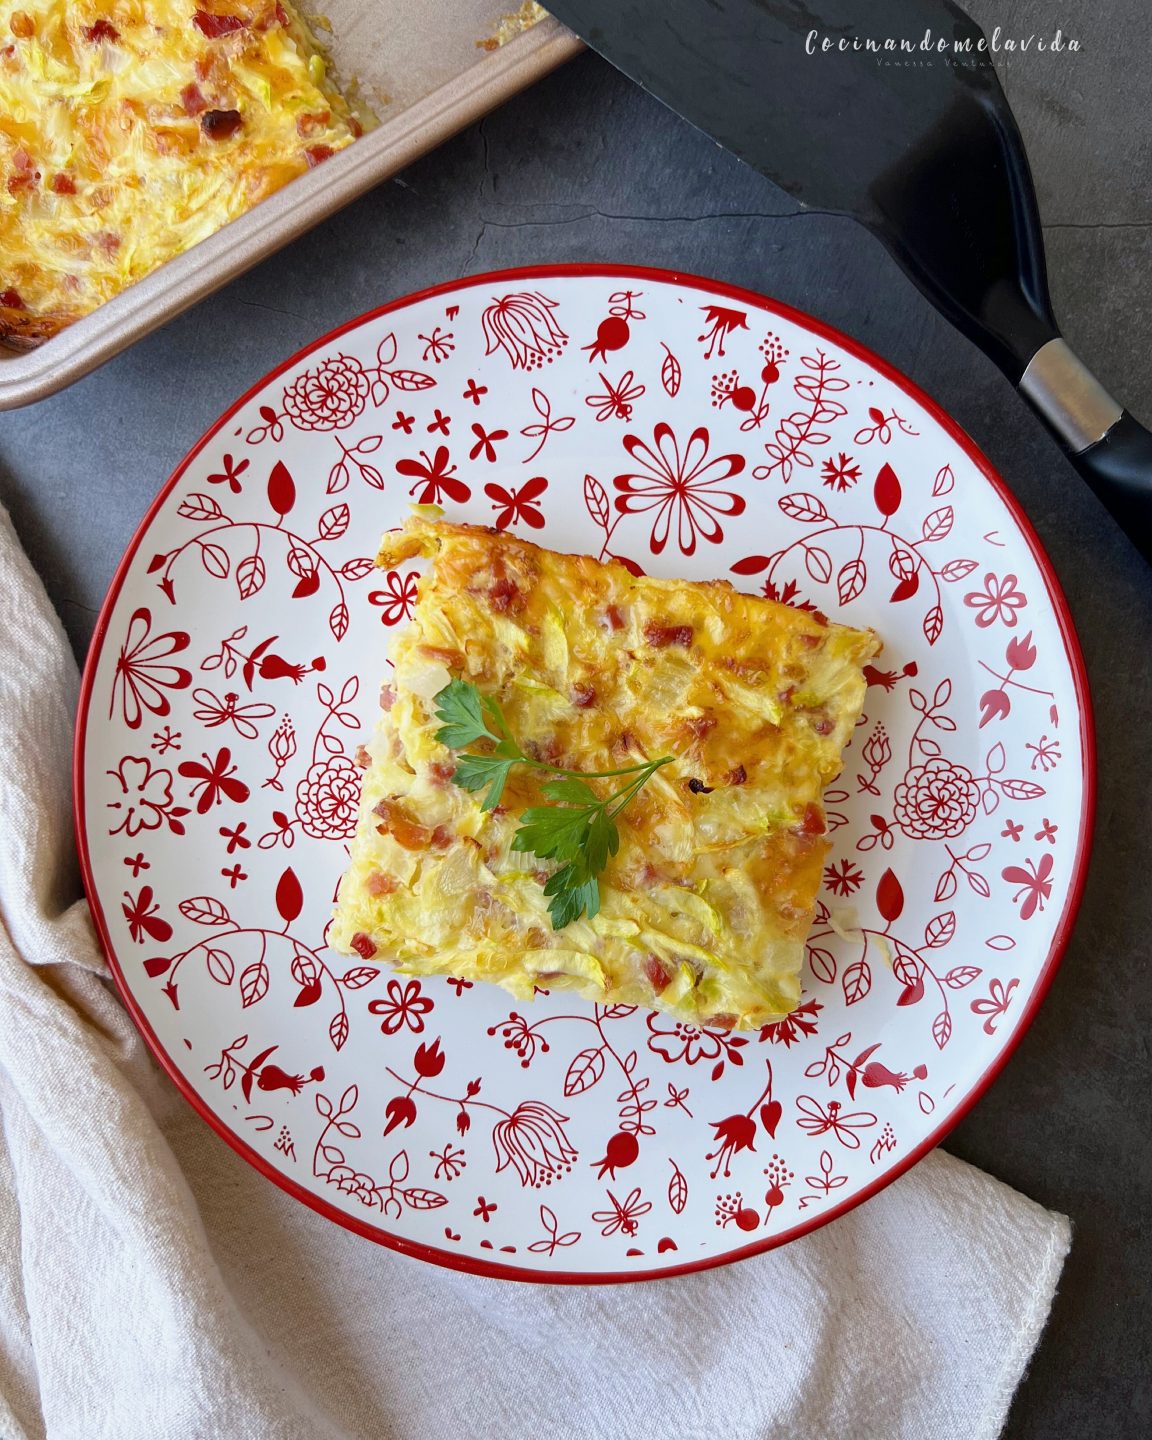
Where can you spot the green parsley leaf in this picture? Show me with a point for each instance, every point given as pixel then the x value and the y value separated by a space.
pixel 577 828
pixel 475 772
pixel 459 706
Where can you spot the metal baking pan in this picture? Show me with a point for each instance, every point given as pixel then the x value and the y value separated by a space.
pixel 419 66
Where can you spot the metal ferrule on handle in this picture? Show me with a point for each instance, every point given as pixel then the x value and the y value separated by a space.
pixel 1111 450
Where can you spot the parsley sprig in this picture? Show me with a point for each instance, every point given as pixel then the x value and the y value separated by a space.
pixel 577 828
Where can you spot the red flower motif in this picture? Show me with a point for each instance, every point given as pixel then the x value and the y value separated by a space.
pixel 999 600
pixel 691 1044
pixel 143 920
pixel 841 473
pixel 142 674
pixel 436 476
pixel 517 505
pixel 406 1005
pixel 844 878
pixel 329 397
pixel 802 1021
pixel 145 798
pixel 720 321
pixel 533 1140
pixel 486 443
pixel 231 474
pixel 327 799
pixel 733 1134
pixel 995 1004
pixel 213 780
pixel 1035 884
pixel 936 800
pixel 523 326
pixel 680 487
pixel 397 598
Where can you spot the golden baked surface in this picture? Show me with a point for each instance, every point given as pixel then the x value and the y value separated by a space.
pixel 131 129
pixel 706 906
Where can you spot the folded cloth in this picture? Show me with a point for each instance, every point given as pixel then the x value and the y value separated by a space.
pixel 153 1287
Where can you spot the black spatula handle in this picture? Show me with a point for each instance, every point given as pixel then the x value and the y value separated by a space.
pixel 1111 450
pixel 1119 469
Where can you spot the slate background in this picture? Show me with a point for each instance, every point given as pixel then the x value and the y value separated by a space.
pixel 587 167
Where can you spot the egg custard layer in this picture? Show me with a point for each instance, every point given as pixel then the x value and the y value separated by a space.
pixel 131 129
pixel 705 908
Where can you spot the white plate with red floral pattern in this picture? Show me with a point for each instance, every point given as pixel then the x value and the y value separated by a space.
pixel 692 430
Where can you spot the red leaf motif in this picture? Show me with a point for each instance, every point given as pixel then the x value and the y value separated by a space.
pixel 961 975
pixel 670 374
pixel 887 492
pixel 942 1029
pixel 1022 789
pixel 307 585
pixel 586 1068
pixel 940 929
pixel 420 1198
pixel 851 581
pixel 309 994
pixel 677 1189
pixel 250 576
pixel 770 1117
pixel 338 620
pixel 818 563
pixel 205 910
pixel 912 994
pixel 281 489
pixel 215 559
pixel 944 482
pixel 220 966
pixel 411 380
pixel 338 1030
pixel 356 978
pixel 857 981
pixel 939 524
pixel 957 570
pixel 158 965
pixel 253 983
pixel 199 507
pixel 751 565
pixel 596 501
pixel 289 896
pixel 358 568
pixel 822 964
pixel 933 624
pixel 629 565
pixel 805 507
pixel 334 522
pixel 889 897
pixel 906 588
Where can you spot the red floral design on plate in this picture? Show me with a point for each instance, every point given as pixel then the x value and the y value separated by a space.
pixel 952 844
pixel 680 486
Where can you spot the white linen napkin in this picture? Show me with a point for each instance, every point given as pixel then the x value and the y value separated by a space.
pixel 154 1287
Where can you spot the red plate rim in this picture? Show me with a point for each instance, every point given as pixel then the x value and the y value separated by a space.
pixel 456 1261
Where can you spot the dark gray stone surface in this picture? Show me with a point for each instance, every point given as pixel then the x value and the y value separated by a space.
pixel 586 167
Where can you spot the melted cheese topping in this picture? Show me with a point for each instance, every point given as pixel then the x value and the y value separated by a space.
pixel 131 129
pixel 706 906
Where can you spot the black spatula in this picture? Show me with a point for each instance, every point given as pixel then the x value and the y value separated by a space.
pixel 920 146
